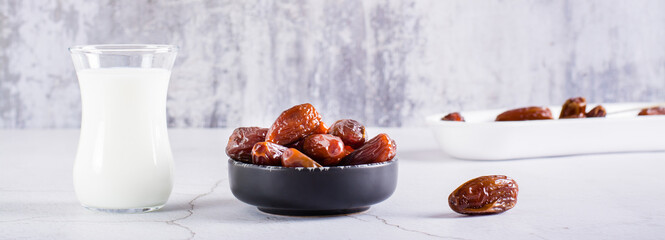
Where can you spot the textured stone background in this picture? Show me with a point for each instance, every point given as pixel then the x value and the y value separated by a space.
pixel 386 63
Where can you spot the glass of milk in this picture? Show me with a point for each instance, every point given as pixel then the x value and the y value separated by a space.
pixel 124 162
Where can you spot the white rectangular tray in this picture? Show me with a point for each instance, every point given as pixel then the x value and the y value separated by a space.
pixel 481 138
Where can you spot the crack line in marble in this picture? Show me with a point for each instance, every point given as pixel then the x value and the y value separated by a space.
pixel 191 210
pixel 384 221
pixel 357 218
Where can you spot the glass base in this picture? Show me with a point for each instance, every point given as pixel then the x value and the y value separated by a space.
pixel 128 210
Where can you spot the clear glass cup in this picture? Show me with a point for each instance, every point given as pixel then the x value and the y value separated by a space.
pixel 124 162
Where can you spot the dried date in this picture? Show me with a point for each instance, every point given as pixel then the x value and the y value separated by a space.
pixel 456 117
pixel 325 149
pixel 348 149
pixel 242 140
pixel 573 108
pixel 484 195
pixel 267 153
pixel 297 144
pixel 350 131
pixel 652 111
pixel 527 113
pixel 322 129
pixel 294 124
pixel 598 111
pixel 294 158
pixel 378 149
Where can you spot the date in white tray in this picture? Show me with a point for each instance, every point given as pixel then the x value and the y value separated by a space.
pixel 481 138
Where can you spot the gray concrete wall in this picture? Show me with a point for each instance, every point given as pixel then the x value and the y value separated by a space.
pixel 386 63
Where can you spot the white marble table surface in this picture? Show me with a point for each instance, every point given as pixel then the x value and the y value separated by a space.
pixel 607 196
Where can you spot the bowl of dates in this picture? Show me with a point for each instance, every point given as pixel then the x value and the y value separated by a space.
pixel 300 166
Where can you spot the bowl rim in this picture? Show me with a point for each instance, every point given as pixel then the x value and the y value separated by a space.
pixel 299 169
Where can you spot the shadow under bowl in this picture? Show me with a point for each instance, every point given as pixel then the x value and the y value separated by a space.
pixel 312 191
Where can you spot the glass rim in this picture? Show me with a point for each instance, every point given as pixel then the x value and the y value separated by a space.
pixel 123 48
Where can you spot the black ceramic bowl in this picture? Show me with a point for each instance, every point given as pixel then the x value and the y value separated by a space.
pixel 312 191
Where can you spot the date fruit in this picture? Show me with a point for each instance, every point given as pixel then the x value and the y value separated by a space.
pixel 457 117
pixel 598 111
pixel 267 153
pixel 348 149
pixel 242 140
pixel 350 131
pixel 325 149
pixel 652 111
pixel 322 129
pixel 484 195
pixel 527 113
pixel 294 124
pixel 297 144
pixel 294 158
pixel 573 108
pixel 378 149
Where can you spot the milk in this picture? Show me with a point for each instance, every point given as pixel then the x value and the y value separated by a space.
pixel 124 159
